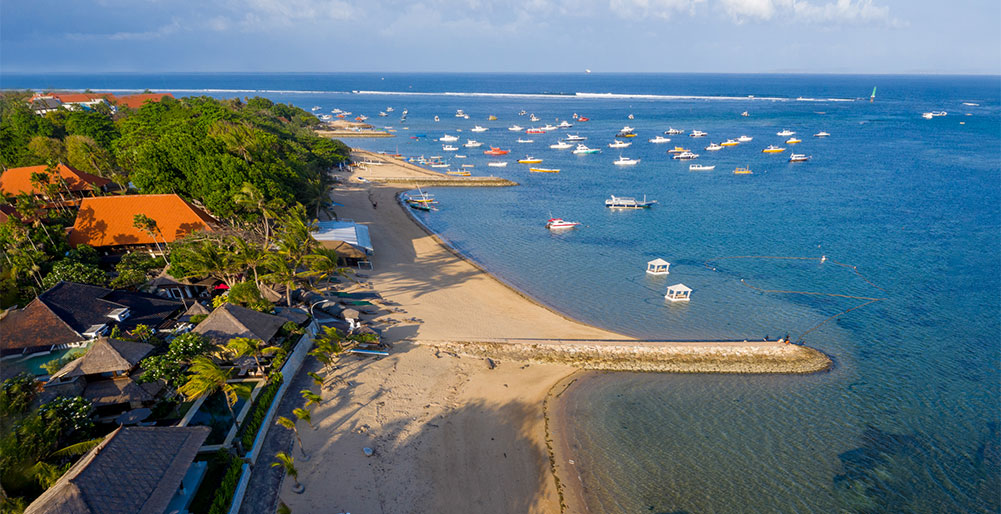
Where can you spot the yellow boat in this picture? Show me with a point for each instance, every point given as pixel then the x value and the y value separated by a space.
pixel 729 142
pixel 678 149
pixel 530 160
pixel 773 149
pixel 742 171
pixel 492 118
pixel 543 170
pixel 462 173
pixel 792 141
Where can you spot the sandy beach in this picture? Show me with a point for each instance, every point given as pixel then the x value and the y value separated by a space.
pixel 455 414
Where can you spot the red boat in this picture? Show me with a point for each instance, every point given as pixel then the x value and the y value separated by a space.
pixel 583 119
pixel 496 151
pixel 535 131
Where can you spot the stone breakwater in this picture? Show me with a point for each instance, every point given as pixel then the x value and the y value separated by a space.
pixel 674 357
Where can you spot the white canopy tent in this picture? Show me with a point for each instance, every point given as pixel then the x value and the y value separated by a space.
pixel 678 293
pixel 658 267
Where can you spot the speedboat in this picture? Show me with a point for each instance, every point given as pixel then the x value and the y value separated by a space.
pixel 729 142
pixel 560 145
pixel 630 116
pixel 744 139
pixel 461 173
pixel 628 202
pixel 619 144
pixel 449 148
pixel 534 118
pixel 558 223
pixel 436 119
pixel 583 119
pixel 745 114
pixel 522 112
pixel 448 138
pixel 685 156
pixel 773 149
pixel 785 133
pixel 529 160
pixel 497 164
pixel 673 131
pixel 742 171
pixel 583 149
pixel 575 138
pixel 625 161
pixel 660 139
pixel 713 147
pixel 515 128
pixel 677 149
pixel 478 129
pixel 701 167
pixel 625 134
pixel 798 157
pixel 472 143
pixel 793 140
pixel 565 124
pixel 496 151
pixel 383 114
pixel 491 118
pixel 627 129
pixel 389 109
pixel 317 108
pixel 698 133
pixel 521 140
pixel 535 131
pixel 460 113
pixel 547 127
pixel 821 134
pixel 543 170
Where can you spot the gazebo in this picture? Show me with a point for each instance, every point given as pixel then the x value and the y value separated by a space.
pixel 678 293
pixel 658 267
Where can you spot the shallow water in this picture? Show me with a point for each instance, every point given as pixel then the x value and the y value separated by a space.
pixel 908 419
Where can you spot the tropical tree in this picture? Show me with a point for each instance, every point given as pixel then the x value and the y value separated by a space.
pixel 289 424
pixel 251 199
pixel 285 272
pixel 311 397
pixel 249 256
pixel 205 258
pixel 148 225
pixel 242 346
pixel 71 271
pixel 304 415
pixel 206 377
pixel 324 263
pixel 287 463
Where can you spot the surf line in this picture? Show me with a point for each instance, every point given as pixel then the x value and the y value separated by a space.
pixel 868 300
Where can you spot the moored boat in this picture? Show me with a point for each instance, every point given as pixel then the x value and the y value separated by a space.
pixel 793 140
pixel 496 151
pixel 560 223
pixel 522 140
pixel 625 161
pixel 798 157
pixel 497 164
pixel 659 140
pixel 448 138
pixel 449 148
pixel 515 128
pixel 529 160
pixel 583 149
pixel 619 144
pixel 773 149
pixel 472 143
pixel 698 133
pixel 628 202
pixel 713 147
pixel 565 124
pixel 701 167
pixel 685 156
pixel 535 131
pixel 744 139
pixel 560 145
pixel 785 133
pixel 742 171
pixel 821 134
pixel 673 131
pixel 575 138
pixel 543 170
pixel 729 142
pixel 677 149
pixel 478 128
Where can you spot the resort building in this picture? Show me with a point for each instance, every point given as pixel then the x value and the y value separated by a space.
pixel 64 183
pixel 107 222
pixel 70 314
pixel 351 240
pixel 228 321
pixel 43 103
pixel 134 470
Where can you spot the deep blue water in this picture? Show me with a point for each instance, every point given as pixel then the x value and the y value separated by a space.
pixel 908 419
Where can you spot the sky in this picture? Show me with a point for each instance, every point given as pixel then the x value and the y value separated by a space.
pixel 736 36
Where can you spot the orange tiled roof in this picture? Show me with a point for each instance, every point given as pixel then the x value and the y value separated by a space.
pixel 137 101
pixel 107 220
pixel 18 180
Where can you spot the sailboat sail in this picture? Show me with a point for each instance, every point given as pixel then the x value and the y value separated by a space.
pixel 873 96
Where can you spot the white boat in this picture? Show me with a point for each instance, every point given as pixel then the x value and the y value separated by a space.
pixel 520 140
pixel 729 142
pixel 785 133
pixel 436 118
pixel 698 133
pixel 619 144
pixel 560 145
pixel 575 138
pixel 660 139
pixel 821 134
pixel 516 128
pixel 560 223
pixel 626 130
pixel 472 143
pixel 744 139
pixel 684 156
pixel 317 107
pixel 798 157
pixel 933 114
pixel 389 109
pixel 625 161
pixel 628 202
pixel 547 127
pixel 448 138
pixel 326 117
pixel 449 148
pixel 673 131
pixel 522 112
pixel 534 118
pixel 478 129
pixel 565 124
pixel 971 104
pixel 457 156
pixel 745 114
pixel 583 149
pixel 701 167
pixel 630 116
pixel 497 164
pixel 383 114
pixel 773 149
pixel 713 147
pixel 460 114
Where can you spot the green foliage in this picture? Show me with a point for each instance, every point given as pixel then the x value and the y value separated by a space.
pixel 219 484
pixel 68 270
pixel 246 294
pixel 55 365
pixel 198 318
pixel 252 423
pixel 94 125
pixel 169 366
pixel 134 270
pixel 87 155
pixel 85 254
pixel 47 149
pixel 17 393
pixel 18 125
pixel 224 495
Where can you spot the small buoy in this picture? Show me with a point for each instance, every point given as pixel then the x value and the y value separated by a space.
pixel 367 451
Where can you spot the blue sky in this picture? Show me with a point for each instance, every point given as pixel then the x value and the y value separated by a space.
pixel 741 36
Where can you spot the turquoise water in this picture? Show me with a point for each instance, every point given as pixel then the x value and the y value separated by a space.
pixel 908 419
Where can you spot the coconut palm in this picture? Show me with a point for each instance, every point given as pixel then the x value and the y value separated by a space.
pixel 325 263
pixel 207 258
pixel 249 255
pixel 304 415
pixel 287 463
pixel 250 198
pixel 242 346
pixel 206 377
pixel 289 424
pixel 311 397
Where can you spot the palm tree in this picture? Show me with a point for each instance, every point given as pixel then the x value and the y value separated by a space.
pixel 241 346
pixel 317 193
pixel 206 377
pixel 311 397
pixel 324 263
pixel 148 225
pixel 207 258
pixel 250 198
pixel 304 415
pixel 289 424
pixel 249 256
pixel 287 463
pixel 282 272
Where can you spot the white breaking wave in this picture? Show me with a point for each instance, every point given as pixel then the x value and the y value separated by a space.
pixel 610 96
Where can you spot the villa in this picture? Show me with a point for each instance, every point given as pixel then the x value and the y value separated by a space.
pixel 67 183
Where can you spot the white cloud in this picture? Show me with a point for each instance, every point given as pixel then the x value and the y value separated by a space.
pixel 657 8
pixel 158 33
pixel 838 12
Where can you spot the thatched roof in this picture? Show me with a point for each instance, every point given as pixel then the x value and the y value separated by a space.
pixel 229 321
pixel 121 390
pixel 106 356
pixel 196 309
pixel 135 470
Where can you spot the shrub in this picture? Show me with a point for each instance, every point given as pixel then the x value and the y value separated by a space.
pixel 252 423
pixel 17 393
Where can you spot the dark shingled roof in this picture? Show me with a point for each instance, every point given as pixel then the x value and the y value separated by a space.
pixel 106 356
pixel 121 390
pixel 229 321
pixel 34 326
pixel 135 470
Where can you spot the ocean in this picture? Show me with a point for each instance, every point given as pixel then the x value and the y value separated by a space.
pixel 895 220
